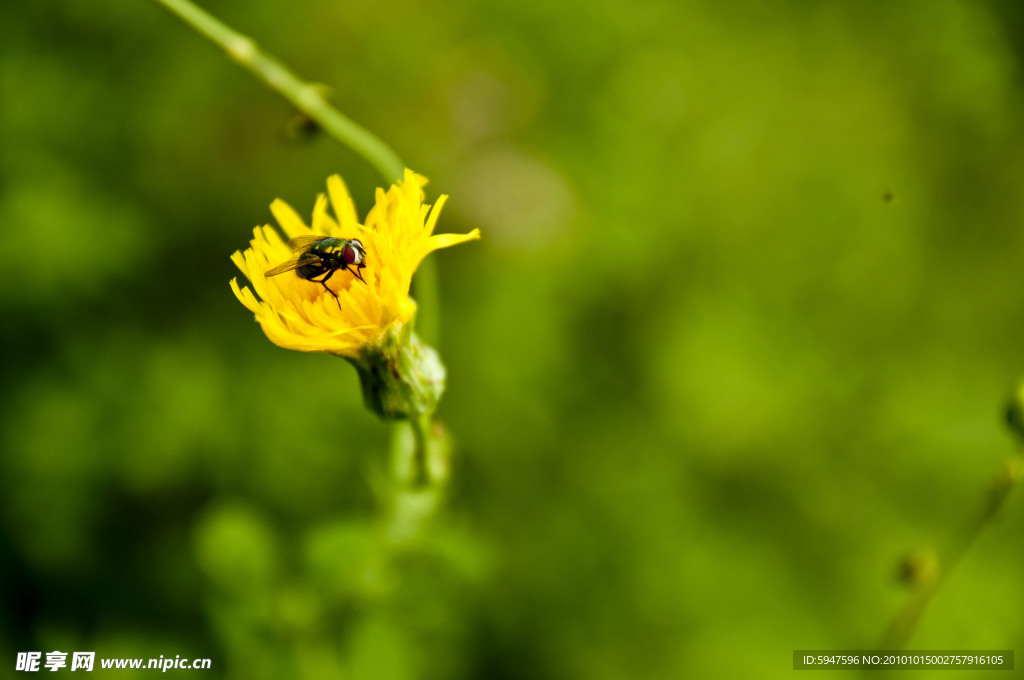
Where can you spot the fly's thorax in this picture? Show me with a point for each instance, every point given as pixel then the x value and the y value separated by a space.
pixel 327 244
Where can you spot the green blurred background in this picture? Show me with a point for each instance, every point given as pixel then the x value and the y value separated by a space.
pixel 737 338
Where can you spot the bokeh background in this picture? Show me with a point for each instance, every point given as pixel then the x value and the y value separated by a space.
pixel 737 339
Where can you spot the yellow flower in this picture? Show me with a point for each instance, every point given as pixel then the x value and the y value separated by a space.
pixel 299 314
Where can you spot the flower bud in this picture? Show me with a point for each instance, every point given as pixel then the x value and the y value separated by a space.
pixel 402 377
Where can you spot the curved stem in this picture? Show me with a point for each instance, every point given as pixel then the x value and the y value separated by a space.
pixel 303 96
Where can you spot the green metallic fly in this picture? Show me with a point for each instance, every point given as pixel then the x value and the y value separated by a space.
pixel 320 256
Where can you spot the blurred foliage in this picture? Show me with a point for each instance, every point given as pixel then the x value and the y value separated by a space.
pixel 735 343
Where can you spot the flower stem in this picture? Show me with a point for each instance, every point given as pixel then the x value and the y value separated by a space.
pixel 420 471
pixel 304 96
pixel 422 437
pixel 420 476
pixel 420 454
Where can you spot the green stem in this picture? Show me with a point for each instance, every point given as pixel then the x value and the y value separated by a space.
pixel 420 455
pixel 303 96
pixel 421 475
pixel 420 471
pixel 904 624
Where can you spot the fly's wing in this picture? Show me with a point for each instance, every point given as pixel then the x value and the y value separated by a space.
pixel 294 263
pixel 300 242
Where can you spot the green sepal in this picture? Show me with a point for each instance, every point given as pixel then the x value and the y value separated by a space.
pixel 402 377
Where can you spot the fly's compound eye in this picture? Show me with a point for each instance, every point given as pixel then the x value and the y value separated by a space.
pixel 353 252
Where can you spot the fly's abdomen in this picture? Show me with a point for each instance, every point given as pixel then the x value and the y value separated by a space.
pixel 314 266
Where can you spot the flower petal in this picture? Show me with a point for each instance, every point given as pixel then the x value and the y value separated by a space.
pixel 344 208
pixel 288 219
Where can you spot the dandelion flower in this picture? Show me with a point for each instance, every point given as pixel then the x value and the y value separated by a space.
pixel 366 313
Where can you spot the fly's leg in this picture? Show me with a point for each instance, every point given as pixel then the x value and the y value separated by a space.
pixel 323 282
pixel 355 272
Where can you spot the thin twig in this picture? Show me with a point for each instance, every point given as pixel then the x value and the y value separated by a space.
pixel 903 625
pixel 304 96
